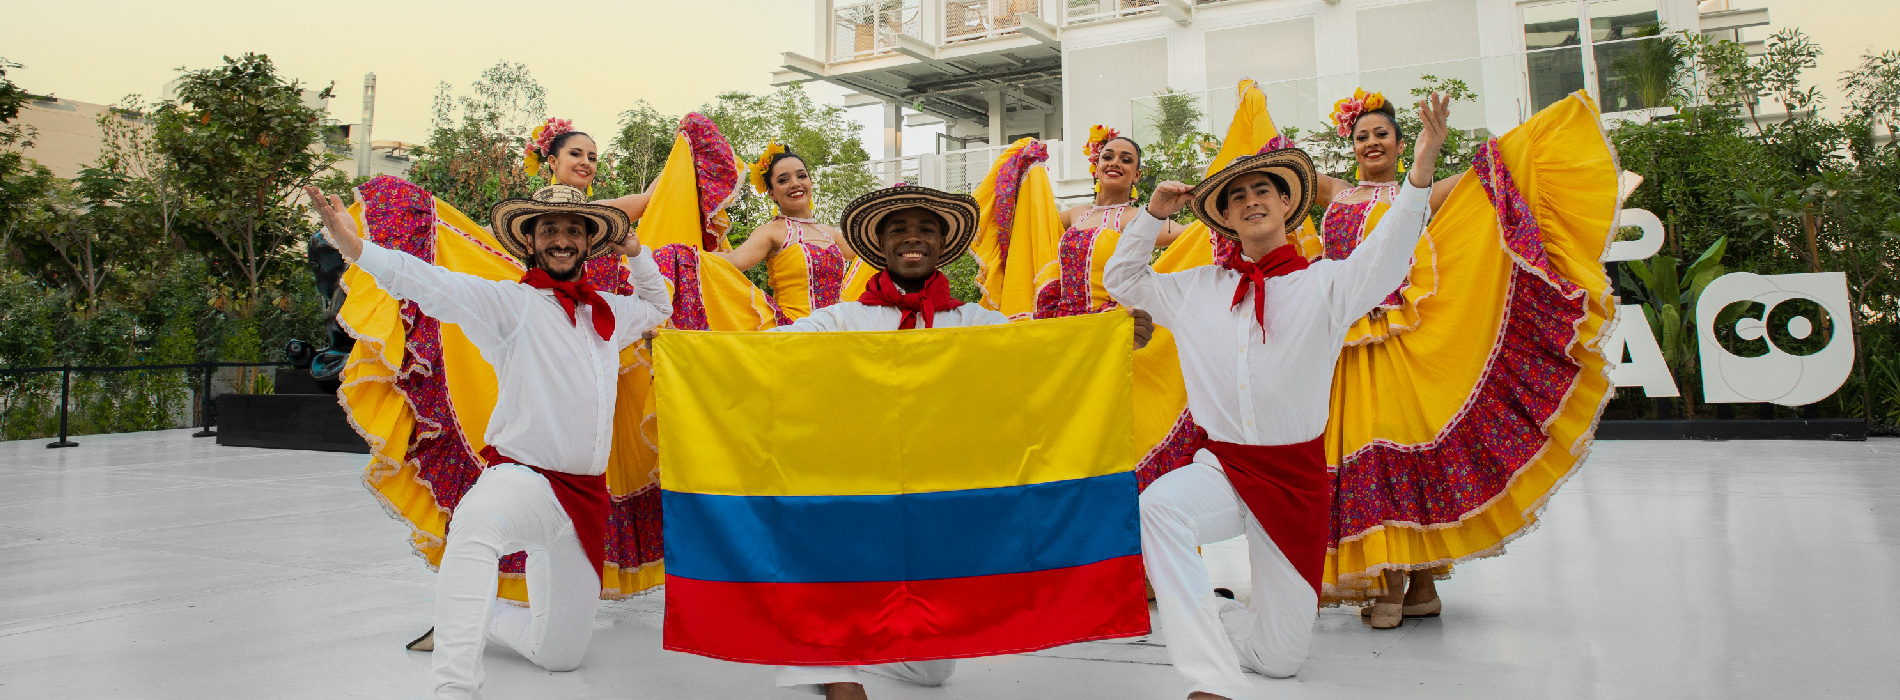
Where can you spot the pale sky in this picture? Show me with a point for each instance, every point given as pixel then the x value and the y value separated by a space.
pixel 595 58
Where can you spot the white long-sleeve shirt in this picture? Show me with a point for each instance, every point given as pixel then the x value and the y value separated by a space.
pixel 556 378
pixel 853 316
pixel 1272 392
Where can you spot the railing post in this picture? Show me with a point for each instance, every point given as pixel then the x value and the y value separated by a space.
pixel 205 405
pixel 65 394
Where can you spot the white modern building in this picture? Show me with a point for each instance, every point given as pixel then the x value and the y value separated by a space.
pixel 992 71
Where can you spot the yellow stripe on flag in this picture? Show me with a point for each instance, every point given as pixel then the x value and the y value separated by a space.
pixel 851 414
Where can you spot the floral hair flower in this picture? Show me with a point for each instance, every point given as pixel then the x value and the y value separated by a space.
pixel 541 141
pixel 1346 111
pixel 764 166
pixel 1277 143
pixel 1099 136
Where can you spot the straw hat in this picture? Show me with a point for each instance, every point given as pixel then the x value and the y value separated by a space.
pixel 605 225
pixel 862 215
pixel 1291 165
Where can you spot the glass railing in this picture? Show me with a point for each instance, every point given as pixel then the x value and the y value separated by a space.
pixel 1307 104
pixel 950 171
pixel 867 29
pixel 1080 11
pixel 969 20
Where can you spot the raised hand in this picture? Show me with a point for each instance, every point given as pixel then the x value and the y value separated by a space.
pixel 629 247
pixel 1168 199
pixel 338 222
pixel 1434 112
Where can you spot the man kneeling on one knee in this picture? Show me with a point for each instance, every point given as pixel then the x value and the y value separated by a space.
pixel 908 233
pixel 1258 336
pixel 555 345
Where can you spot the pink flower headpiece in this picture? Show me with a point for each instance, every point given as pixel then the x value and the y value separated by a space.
pixel 541 140
pixel 1277 143
pixel 1346 111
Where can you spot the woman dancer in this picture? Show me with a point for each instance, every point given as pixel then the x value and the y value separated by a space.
pixel 805 261
pixel 1469 394
pixel 1075 286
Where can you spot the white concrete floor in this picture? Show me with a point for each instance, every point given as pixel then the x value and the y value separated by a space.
pixel 153 565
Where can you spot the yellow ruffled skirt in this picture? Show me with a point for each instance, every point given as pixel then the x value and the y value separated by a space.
pixel 1456 415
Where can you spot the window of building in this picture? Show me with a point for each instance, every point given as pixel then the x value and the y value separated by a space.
pixel 1613 48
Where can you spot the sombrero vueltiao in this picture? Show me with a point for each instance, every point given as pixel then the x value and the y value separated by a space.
pixel 606 225
pixel 861 217
pixel 1291 165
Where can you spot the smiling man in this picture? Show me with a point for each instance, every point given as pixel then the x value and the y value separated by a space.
pixel 1258 336
pixel 909 233
pixel 555 345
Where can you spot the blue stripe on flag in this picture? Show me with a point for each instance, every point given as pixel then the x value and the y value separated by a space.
pixel 904 537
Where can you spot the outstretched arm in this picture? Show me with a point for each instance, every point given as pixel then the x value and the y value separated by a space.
pixel 756 248
pixel 488 310
pixel 634 205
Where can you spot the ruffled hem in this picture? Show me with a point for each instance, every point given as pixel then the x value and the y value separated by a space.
pixel 1544 386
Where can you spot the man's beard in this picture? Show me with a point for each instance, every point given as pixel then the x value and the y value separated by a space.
pixel 540 261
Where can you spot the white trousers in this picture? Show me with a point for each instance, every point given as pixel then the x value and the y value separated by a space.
pixel 509 509
pixel 812 679
pixel 1210 639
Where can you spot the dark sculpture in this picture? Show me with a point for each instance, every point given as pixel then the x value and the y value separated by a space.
pixel 326 365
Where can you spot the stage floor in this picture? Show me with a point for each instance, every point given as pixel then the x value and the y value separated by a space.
pixel 154 565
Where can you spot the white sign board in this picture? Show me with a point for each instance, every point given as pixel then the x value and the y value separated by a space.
pixel 1646 367
pixel 1776 377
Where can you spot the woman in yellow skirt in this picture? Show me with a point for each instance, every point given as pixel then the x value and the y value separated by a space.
pixel 1463 401
pixel 806 262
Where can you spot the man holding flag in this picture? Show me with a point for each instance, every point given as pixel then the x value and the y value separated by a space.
pixel 909 233
pixel 1258 336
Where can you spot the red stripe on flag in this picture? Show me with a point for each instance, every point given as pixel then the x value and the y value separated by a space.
pixel 890 621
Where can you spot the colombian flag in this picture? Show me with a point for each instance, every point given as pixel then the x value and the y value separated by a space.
pixel 859 498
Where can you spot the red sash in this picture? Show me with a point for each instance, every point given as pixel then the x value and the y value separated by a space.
pixel 1289 492
pixel 583 497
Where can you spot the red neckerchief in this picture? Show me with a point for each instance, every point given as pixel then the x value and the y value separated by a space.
pixel 883 291
pixel 572 293
pixel 1253 276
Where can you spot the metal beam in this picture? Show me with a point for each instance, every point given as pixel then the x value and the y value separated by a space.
pixel 1041 30
pixel 1178 10
pixel 1038 71
pixel 1022 95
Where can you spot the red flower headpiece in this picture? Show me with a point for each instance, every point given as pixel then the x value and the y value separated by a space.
pixel 541 140
pixel 1347 110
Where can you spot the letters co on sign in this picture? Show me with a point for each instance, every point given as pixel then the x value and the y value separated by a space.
pixel 1764 372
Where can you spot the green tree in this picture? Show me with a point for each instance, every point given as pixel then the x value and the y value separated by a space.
pixel 24 183
pixel 1180 150
pixel 822 135
pixel 1873 87
pixel 152 194
pixel 474 155
pixel 638 151
pixel 244 144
